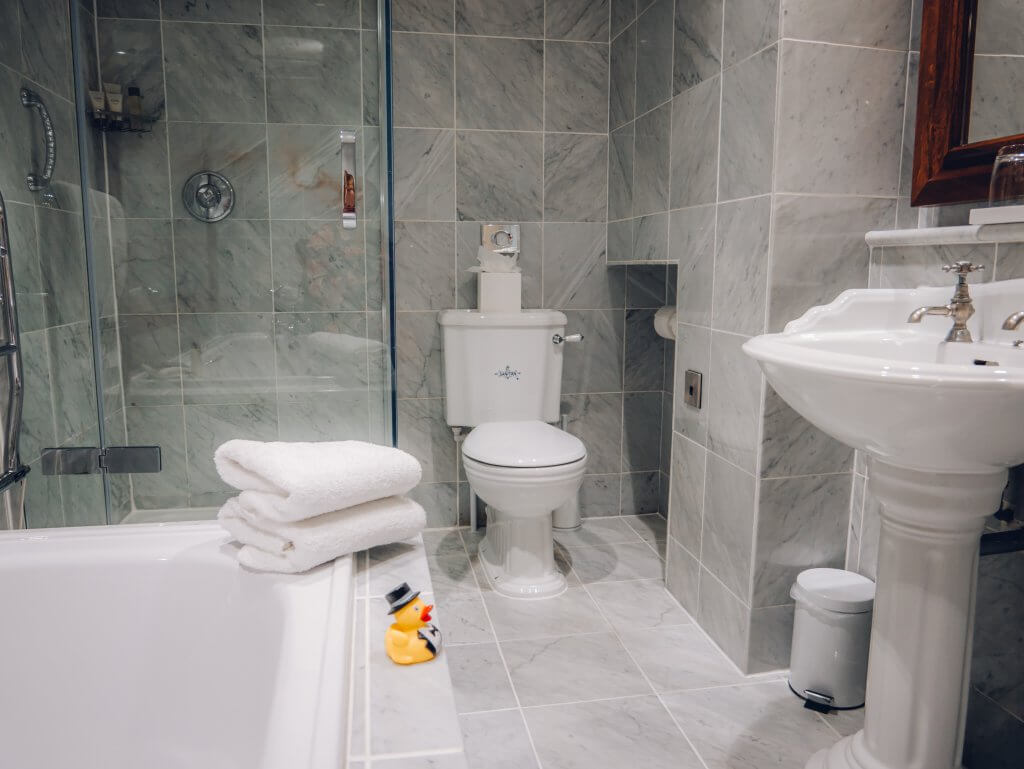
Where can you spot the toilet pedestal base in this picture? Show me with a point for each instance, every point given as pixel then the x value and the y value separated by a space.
pixel 518 555
pixel 919 666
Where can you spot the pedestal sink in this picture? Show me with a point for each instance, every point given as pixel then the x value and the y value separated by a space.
pixel 940 423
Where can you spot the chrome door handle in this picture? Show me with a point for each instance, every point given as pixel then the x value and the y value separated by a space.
pixel 348 180
pixel 36 182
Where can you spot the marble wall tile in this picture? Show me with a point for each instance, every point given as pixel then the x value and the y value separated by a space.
pixel 149 359
pixel 870 530
pixel 694 144
pixel 501 18
pixel 326 416
pixel 651 174
pixel 735 410
pixel 650 237
pixel 640 494
pixel 692 245
pixel 208 426
pixel 73 380
pixel 423 16
pixel 750 25
pixel 110 368
pixel 318 265
pixel 368 197
pixel 646 286
pixel 576 86
pixel 620 240
pixel 875 23
pixel 43 505
pixel 622 80
pixel 37 428
pixel 143 266
pixel 596 365
pixel 131 9
pixel 856 511
pixel 329 349
pixel 819 250
pixel 233 86
pixel 162 426
pixel 620 173
pixel 912 266
pixel 909 134
pixel 801 524
pixel 641 431
pixel 312 13
pixel 131 53
pixel 441 503
pixel 305 164
pixel 531 261
pixel 693 351
pixel 610 734
pixel 994 112
pixel 424 434
pixel 423 79
pixel 597 421
pixel 424 266
pixel 748 126
pixel 724 617
pixel 62 263
pixel 993 734
pixel 424 174
pixel 645 353
pixel 999 30
pixel 574 268
pixel 227 358
pixel 682 576
pixel 420 369
pixel 698 42
pixel 577 20
pixel 741 266
pixel 623 13
pixel 137 172
pixel 771 638
pixel 858 93
pixel 302 68
pixel 46 44
pixel 599 495
pixel 500 84
pixel 84 504
pixel 727 534
pixel 686 506
pixel 371 78
pixel 235 11
pixel 575 177
pixel 790 445
pixel 10 35
pixel 223 267
pixel 500 176
pixel 654 55
pixel 238 152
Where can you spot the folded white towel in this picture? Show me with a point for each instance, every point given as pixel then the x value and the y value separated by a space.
pixel 301 480
pixel 293 547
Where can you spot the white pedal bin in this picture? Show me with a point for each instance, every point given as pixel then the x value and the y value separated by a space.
pixel 831 633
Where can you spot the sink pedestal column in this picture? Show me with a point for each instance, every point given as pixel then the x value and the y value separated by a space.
pixel 919 667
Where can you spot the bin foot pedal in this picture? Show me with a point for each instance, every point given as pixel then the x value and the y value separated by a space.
pixel 819 703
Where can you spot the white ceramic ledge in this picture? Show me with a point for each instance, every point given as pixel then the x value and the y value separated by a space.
pixel 948 236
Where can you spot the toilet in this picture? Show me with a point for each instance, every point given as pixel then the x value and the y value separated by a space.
pixel 503 379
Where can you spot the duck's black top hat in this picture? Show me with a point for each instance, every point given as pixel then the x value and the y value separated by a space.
pixel 401 596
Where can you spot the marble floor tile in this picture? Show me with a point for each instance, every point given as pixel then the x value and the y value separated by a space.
pixel 651 527
pixel 550 671
pixel 390 565
pixel 616 562
pixel 636 731
pixel 597 531
pixel 497 740
pixel 443 542
pixel 845 722
pixel 462 619
pixel 479 678
pixel 436 761
pixel 679 658
pixel 571 612
pixel 452 574
pixel 638 604
pixel 739 727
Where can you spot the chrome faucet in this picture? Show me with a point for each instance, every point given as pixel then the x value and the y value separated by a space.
pixel 960 307
pixel 1013 322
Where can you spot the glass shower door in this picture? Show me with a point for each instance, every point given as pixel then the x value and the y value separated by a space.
pixel 225 289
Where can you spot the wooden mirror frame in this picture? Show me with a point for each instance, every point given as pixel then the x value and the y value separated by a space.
pixel 947 168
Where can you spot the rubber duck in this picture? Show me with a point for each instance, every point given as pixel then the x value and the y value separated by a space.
pixel 411 638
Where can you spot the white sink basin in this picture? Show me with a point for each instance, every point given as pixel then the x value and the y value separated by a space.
pixel 940 422
pixel 860 372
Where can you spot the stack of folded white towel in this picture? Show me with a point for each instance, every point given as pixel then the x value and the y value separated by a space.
pixel 303 504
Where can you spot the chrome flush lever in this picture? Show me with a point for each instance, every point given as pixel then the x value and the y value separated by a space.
pixel 559 339
pixel 348 180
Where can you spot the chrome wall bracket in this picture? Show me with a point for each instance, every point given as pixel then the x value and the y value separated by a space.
pixel 91 460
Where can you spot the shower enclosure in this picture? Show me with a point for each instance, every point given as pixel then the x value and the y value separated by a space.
pixel 198 214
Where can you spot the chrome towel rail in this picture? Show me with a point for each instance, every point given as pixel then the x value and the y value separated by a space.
pixel 37 182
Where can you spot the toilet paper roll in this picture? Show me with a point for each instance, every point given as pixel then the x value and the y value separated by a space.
pixel 665 322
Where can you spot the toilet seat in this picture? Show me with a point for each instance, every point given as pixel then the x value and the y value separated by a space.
pixel 524 444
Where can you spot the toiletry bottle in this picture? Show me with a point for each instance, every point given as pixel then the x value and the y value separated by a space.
pixel 133 107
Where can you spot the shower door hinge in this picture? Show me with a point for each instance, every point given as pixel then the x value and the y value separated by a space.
pixel 113 459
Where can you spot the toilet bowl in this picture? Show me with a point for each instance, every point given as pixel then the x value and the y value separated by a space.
pixel 523 470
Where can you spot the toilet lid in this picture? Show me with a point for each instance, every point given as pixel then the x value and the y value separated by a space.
pixel 522 444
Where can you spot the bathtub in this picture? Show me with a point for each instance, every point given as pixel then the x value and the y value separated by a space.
pixel 149 647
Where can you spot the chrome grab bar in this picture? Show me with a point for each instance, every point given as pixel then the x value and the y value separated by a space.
pixel 37 182
pixel 348 180
pixel 12 469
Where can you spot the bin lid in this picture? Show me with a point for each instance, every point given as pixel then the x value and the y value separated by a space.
pixel 835 590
